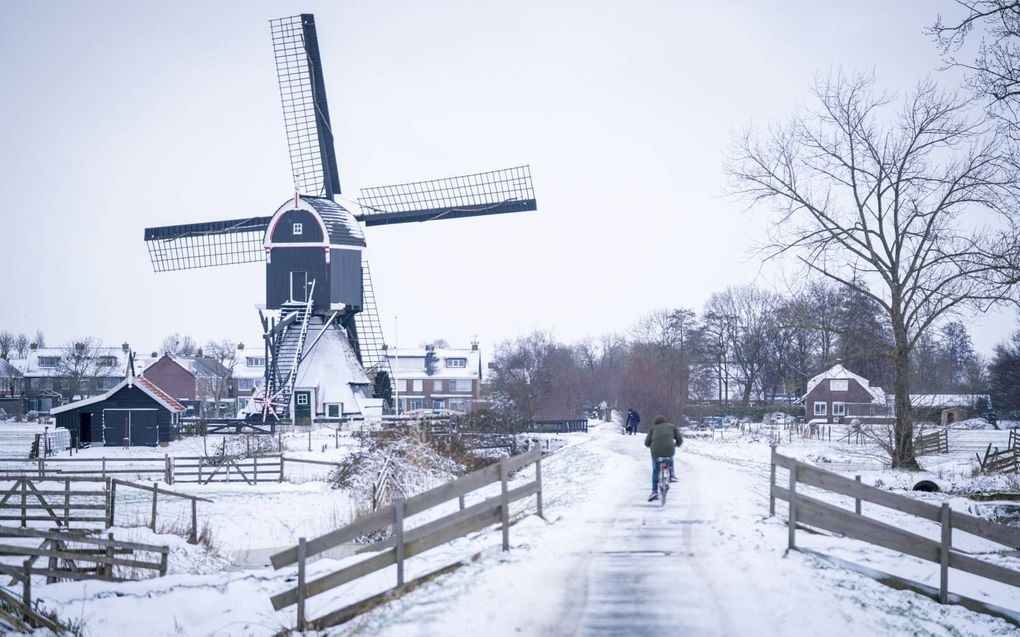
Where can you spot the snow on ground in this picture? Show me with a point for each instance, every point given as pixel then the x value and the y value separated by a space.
pixel 713 556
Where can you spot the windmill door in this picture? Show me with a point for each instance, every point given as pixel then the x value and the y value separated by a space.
pixel 299 286
pixel 303 407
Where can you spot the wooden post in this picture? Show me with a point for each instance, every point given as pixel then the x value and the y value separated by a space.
pixel 104 467
pixel 108 567
pixel 398 537
pixel 460 501
pixel 155 492
pixel 200 470
pixel 772 480
pixel 255 459
pixel 42 467
pixel 793 505
pixel 302 553
pixel 336 437
pixel 857 501
pixel 67 504
pixel 167 476
pixel 194 522
pixel 947 543
pixel 163 558
pixel 24 497
pixel 282 458
pixel 26 589
pixel 538 479
pixel 504 507
pixel 309 437
pixel 111 493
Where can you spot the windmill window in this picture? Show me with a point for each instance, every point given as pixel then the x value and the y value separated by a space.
pixel 302 399
pixel 298 228
pixel 333 410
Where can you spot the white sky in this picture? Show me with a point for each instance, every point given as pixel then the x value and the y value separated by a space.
pixel 115 116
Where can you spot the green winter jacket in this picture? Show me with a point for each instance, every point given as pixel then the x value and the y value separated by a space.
pixel 663 439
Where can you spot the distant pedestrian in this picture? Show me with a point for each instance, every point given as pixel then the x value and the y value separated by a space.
pixel 633 420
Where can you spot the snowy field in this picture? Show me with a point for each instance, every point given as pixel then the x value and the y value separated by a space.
pixel 712 559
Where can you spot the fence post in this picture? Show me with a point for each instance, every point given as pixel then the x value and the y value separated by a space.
pixel 460 501
pixel 772 480
pixel 857 501
pixel 398 536
pixel 200 470
pixel 167 477
pixel 194 522
pixel 309 437
pixel 111 493
pixel 504 507
pixel 104 467
pixel 256 470
pixel 66 503
pixel 108 567
pixel 538 479
pixel 793 504
pixel 282 458
pixel 947 542
pixel 24 497
pixel 26 589
pixel 302 553
pixel 155 492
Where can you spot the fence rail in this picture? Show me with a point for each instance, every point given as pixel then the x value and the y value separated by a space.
pixel 404 543
pixel 203 470
pixel 27 499
pixel 1002 461
pixel 810 511
pixel 935 442
pixel 558 426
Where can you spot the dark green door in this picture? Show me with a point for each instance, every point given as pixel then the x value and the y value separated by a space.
pixel 302 407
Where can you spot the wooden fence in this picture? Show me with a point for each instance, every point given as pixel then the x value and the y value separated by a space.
pixel 32 499
pixel 810 511
pixel 155 491
pixel 935 442
pixel 557 426
pixel 1002 461
pixel 75 556
pixel 90 467
pixel 206 469
pixel 404 543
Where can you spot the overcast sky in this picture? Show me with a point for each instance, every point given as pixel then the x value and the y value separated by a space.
pixel 115 116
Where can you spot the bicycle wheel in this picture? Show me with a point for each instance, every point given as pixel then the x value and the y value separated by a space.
pixel 663 484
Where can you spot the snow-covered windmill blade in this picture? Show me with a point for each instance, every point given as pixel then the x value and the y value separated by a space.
pixel 481 194
pixel 305 111
pixel 201 245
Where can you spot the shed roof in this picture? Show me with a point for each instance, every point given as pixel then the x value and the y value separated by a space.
pixel 144 384
pixel 9 371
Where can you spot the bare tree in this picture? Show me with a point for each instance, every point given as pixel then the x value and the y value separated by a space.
pixel 177 345
pixel 224 353
pixel 21 346
pixel 6 344
pixel 906 208
pixel 81 361
pixel 994 73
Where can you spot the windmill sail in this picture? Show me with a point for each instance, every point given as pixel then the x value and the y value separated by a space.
pixel 305 112
pixel 489 193
pixel 200 245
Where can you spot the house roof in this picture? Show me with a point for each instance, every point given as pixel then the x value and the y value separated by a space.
pixel 29 366
pixel 412 363
pixel 143 384
pixel 838 372
pixel 947 400
pixel 8 371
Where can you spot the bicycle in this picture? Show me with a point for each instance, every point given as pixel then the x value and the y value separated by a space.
pixel 664 477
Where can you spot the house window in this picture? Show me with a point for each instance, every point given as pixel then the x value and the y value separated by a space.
pixel 333 410
pixel 414 404
pixel 65 384
pixel 820 408
pixel 108 383
pixel 302 399
pixel 298 229
pixel 418 385
pixel 838 409
pixel 460 385
pixel 457 404
pixel 437 385
pixel 107 361
pixel 255 361
pixel 437 403
pixel 246 384
pixel 839 385
pixel 456 362
pixel 49 361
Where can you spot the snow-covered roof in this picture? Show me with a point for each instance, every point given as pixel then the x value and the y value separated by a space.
pixel 947 400
pixel 7 370
pixel 342 227
pixel 29 366
pixel 143 384
pixel 330 366
pixel 412 363
pixel 838 372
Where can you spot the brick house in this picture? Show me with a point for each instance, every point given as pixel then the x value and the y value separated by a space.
pixel 46 384
pixel 437 379
pixel 192 381
pixel 839 395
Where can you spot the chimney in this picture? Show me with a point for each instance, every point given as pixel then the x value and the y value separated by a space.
pixel 33 346
pixel 155 354
pixel 198 354
pixel 124 347
pixel 240 346
pixel 474 345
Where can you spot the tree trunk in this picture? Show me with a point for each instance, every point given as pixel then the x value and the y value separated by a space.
pixel 903 430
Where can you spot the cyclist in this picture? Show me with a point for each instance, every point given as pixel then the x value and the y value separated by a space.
pixel 662 439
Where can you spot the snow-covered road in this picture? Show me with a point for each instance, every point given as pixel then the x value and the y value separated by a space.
pixel 708 563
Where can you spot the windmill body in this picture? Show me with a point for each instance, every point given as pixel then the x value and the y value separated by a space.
pixel 322 334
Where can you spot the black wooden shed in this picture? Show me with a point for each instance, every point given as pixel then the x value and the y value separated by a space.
pixel 135 410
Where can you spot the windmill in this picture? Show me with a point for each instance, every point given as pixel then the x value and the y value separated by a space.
pixel 321 324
